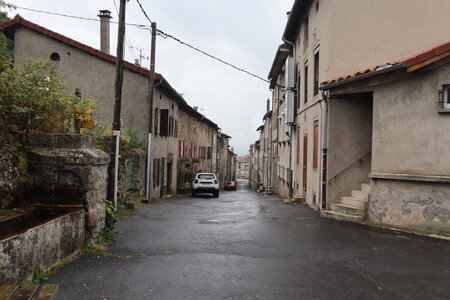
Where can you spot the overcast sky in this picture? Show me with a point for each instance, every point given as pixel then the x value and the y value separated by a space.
pixel 243 32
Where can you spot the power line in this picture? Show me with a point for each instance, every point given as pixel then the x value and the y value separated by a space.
pixel 143 11
pixel 212 56
pixel 162 33
pixel 126 40
pixel 141 26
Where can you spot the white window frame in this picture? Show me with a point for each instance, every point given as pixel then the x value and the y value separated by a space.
pixel 446 96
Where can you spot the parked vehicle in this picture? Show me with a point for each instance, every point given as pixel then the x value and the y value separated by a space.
pixel 231 185
pixel 205 183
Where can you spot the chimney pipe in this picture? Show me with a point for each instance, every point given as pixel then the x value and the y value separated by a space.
pixel 104 15
pixel 268 105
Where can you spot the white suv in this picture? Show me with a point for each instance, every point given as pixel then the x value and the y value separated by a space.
pixel 205 183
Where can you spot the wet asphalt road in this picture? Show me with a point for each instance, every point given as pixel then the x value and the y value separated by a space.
pixel 247 246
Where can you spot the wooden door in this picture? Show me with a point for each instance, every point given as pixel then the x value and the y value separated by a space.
pixel 305 160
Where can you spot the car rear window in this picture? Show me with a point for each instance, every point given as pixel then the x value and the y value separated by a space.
pixel 205 176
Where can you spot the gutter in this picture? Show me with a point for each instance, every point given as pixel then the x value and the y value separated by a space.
pixel 324 149
pixel 377 72
pixel 291 148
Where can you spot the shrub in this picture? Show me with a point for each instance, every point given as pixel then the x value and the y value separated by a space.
pixel 34 98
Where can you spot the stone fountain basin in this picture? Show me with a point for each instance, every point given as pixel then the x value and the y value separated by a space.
pixel 41 239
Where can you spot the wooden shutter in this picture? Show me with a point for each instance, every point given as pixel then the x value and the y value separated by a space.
pixel 164 125
pixel 305 160
pixel 298 145
pixel 316 144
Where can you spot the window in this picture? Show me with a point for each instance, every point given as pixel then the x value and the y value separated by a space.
pixel 305 35
pixel 164 122
pixel 209 153
pixel 306 81
pixel 155 172
pixel 316 145
pixel 316 71
pixel 55 57
pixel 446 98
pixel 176 128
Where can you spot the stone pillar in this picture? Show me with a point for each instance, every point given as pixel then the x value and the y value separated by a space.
pixel 71 170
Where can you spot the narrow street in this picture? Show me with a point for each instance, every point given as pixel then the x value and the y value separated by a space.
pixel 247 246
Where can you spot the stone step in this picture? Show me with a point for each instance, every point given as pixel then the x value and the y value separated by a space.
pixel 366 187
pixel 7 291
pixel 347 209
pixel 360 194
pixel 47 292
pixel 354 202
pixel 341 216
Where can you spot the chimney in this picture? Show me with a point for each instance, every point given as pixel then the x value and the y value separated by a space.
pixel 288 14
pixel 104 15
pixel 268 105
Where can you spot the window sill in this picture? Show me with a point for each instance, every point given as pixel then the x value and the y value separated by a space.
pixel 443 110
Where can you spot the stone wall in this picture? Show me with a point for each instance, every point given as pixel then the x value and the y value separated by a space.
pixel 41 247
pixel 61 163
pixel 11 179
pixel 423 206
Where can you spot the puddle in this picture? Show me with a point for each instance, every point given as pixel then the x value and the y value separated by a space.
pixel 263 209
pixel 209 222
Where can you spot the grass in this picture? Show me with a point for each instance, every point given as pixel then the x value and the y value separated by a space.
pixel 38 276
pixel 94 248
pixel 61 264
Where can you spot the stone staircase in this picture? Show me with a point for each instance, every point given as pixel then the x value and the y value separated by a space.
pixel 350 208
pixel 28 292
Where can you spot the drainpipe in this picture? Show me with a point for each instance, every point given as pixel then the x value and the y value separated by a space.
pixel 291 171
pixel 324 149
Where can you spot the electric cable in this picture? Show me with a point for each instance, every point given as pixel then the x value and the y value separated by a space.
pixel 160 32
pixel 126 40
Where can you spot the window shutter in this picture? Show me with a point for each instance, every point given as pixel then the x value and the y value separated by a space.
pixel 164 125
pixel 316 144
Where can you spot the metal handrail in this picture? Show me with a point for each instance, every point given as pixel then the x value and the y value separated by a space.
pixel 347 167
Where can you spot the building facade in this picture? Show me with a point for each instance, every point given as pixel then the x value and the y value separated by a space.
pixel 326 39
pixel 177 129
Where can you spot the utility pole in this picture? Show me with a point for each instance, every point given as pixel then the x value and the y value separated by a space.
pixel 118 96
pixel 151 92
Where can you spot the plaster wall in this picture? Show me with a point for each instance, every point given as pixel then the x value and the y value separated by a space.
pixel 373 32
pixel 93 76
pixel 410 136
pixel 350 137
pixel 410 169
pixel 165 146
pixel 316 37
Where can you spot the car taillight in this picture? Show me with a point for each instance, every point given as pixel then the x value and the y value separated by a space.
pixel 215 180
pixel 196 181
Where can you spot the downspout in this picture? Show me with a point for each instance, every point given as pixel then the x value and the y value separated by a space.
pixel 291 171
pixel 324 149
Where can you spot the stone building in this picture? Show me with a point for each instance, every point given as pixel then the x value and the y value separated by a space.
pixel 402 109
pixel 242 166
pixel 322 42
pixel 177 127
